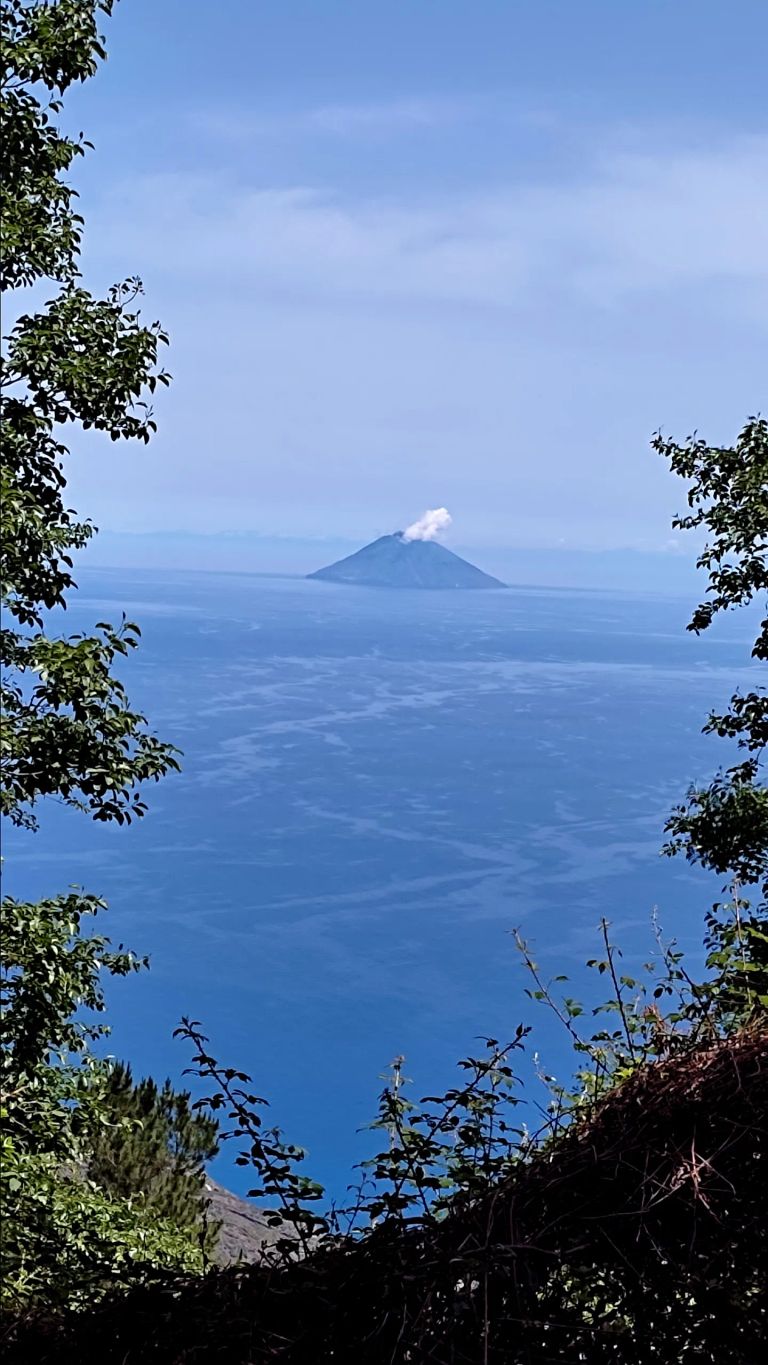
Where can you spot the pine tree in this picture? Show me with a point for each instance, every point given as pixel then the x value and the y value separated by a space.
pixel 154 1144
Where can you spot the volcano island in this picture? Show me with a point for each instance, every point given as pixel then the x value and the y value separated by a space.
pixel 396 562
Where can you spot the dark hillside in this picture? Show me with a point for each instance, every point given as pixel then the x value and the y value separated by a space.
pixel 639 1236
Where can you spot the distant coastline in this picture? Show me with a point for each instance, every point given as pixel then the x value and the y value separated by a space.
pixel 645 571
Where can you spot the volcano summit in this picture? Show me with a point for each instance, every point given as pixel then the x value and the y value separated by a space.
pixel 397 562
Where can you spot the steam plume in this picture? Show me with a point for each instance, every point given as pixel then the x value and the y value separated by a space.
pixel 429 526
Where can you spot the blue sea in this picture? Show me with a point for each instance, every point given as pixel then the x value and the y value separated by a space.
pixel 377 788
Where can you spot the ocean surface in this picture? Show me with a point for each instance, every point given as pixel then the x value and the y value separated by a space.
pixel 376 788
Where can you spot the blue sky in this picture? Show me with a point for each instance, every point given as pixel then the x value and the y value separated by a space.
pixel 468 253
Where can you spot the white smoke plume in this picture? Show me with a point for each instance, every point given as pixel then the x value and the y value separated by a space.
pixel 430 525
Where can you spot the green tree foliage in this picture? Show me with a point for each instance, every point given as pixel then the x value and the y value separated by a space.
pixel 69 731
pixel 724 826
pixel 156 1144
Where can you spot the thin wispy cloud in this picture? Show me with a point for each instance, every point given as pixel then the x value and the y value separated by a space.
pixel 629 222
pixel 361 120
pixel 504 343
